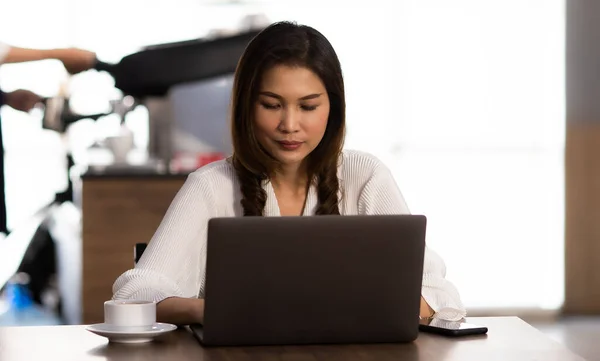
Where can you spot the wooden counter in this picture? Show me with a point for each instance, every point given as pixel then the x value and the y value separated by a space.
pixel 509 338
pixel 118 211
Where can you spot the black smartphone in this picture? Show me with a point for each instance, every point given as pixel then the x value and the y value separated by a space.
pixel 450 328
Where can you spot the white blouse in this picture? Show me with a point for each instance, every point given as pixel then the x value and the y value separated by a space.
pixel 174 262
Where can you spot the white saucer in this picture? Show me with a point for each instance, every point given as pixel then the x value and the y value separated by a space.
pixel 126 336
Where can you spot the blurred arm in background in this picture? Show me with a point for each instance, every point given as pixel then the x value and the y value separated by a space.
pixel 74 60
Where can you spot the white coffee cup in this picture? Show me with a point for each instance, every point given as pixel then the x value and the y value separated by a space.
pixel 134 315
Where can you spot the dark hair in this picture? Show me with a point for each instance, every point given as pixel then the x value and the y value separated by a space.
pixel 286 43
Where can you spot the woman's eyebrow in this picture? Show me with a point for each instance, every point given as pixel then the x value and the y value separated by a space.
pixel 277 96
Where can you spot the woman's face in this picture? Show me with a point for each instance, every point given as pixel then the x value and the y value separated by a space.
pixel 291 113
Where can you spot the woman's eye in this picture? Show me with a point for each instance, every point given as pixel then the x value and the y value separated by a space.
pixel 269 105
pixel 309 108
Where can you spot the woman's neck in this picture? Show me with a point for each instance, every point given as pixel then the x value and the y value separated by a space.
pixel 290 179
pixel 290 185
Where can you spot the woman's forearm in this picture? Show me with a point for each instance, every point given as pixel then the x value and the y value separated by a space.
pixel 180 311
pixel 186 311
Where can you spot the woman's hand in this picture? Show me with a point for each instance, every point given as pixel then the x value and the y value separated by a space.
pixel 180 311
pixel 426 311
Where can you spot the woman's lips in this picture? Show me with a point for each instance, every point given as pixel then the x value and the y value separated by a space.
pixel 289 145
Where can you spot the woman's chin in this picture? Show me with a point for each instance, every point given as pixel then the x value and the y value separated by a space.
pixel 289 158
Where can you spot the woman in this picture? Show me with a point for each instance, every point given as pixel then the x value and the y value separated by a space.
pixel 288 124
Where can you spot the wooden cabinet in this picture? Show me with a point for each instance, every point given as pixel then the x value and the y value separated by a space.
pixel 117 213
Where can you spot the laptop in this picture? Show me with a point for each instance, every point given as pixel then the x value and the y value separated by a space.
pixel 312 280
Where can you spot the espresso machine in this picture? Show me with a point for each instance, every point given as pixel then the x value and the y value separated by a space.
pixel 185 86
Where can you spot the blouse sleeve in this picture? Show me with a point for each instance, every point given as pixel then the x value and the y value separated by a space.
pixel 381 195
pixel 173 263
